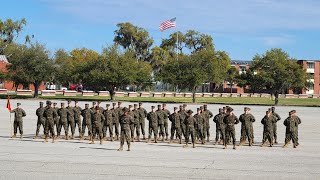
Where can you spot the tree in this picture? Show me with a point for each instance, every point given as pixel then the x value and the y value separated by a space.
pixel 31 66
pixel 196 41
pixel 191 71
pixel 159 57
pixel 232 75
pixel 278 72
pixel 134 38
pixel 175 41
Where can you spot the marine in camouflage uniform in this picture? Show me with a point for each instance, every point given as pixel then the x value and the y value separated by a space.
pixel 152 117
pixel 268 122
pixel 142 114
pixel 77 117
pixel 183 116
pixel 130 113
pixel 291 124
pixel 108 123
pixel 246 120
pixel 190 123
pixel 63 113
pixel 207 114
pixel 299 122
pixel 175 125
pixel 19 113
pixel 166 123
pixel 49 114
pixel 98 120
pixel 71 121
pixel 199 125
pixel 87 115
pixel 41 119
pixel 115 120
pixel 230 120
pixel 117 123
pixel 220 126
pixel 136 123
pixel 161 117
pixel 125 122
pixel 275 124
pixel 57 118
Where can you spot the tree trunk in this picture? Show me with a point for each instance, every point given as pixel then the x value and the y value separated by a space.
pixel 194 95
pixel 231 88
pixel 36 89
pixel 276 100
pixel 112 92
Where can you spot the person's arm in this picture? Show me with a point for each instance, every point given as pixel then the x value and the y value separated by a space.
pixel 236 120
pixel 23 113
pixel 210 114
pixel 253 119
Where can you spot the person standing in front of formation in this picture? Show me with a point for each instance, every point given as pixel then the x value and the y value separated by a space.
pixel 190 123
pixel 142 114
pixel 49 114
pixel 98 120
pixel 108 123
pixel 175 125
pixel 166 123
pixel 273 109
pixel 268 127
pixel 152 117
pixel 41 119
pixel 125 122
pixel 87 115
pixel 63 113
pixel 77 117
pixel 161 116
pixel 299 122
pixel 220 126
pixel 291 124
pixel 246 120
pixel 230 120
pixel 19 113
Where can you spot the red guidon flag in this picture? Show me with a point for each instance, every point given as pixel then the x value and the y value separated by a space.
pixel 8 104
pixel 168 24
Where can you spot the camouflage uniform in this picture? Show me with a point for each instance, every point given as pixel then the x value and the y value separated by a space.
pixel 142 114
pixel 230 120
pixel 98 120
pixel 77 118
pixel 199 126
pixel 207 115
pixel 175 125
pixel 246 125
pixel 135 124
pixel 64 114
pixel 87 115
pixel 56 119
pixel 41 120
pixel 50 114
pixel 108 123
pixel 167 114
pixel 220 127
pixel 268 126
pixel 190 123
pixel 125 122
pixel 183 116
pixel 71 122
pixel 291 124
pixel 115 121
pixel 161 117
pixel 18 121
pixel 152 117
pixel 275 126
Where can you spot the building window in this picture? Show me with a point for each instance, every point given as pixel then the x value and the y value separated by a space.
pixel 310 65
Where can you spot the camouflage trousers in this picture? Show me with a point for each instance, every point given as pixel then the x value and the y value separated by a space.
pixel 105 129
pixel 134 127
pixel 116 128
pixel 161 130
pixel 268 136
pixel 125 135
pixel 230 133
pixel 16 125
pixel 246 132
pixel 190 132
pixel 40 122
pixel 220 134
pixel 78 122
pixel 96 129
pixel 142 126
pixel 72 125
pixel 166 127
pixel 89 126
pixel 49 124
pixel 291 136
pixel 65 126
pixel 177 131
pixel 154 130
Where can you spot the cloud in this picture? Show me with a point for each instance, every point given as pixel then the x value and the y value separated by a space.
pixel 278 41
pixel 206 15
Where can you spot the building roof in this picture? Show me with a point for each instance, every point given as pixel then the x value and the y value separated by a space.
pixel 3 58
pixel 241 62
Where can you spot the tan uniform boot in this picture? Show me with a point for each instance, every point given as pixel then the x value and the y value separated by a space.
pixel 234 147
pixel 185 146
pixel 21 136
pixel 53 139
pixel 101 141
pixel 193 145
pixel 128 147
pixel 121 148
pixel 14 136
pixel 144 137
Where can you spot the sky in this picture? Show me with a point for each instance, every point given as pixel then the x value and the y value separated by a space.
pixel 242 28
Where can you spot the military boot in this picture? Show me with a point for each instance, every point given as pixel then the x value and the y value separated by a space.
pixel 111 138
pixel 155 139
pixel 193 145
pixel 72 137
pixel 234 146
pixel 21 136
pixel 92 141
pixel 53 139
pixel 67 136
pixel 225 147
pixel 162 138
pixel 138 138
pixel 37 136
pixel 58 136
pixel 46 139
pixel 117 139
pixel 185 146
pixel 180 141
pixel 121 148
pixel 285 145
pixel 208 140
pixel 14 135
pixel 128 147
pixel 149 140
pixel 166 138
pixel 144 137
pixel 101 141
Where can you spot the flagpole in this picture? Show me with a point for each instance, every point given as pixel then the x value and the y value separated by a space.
pixel 11 125
pixel 177 44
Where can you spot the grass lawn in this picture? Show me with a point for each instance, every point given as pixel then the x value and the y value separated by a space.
pixel 315 102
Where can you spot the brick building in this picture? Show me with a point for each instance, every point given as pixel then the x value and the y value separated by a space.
pixel 8 84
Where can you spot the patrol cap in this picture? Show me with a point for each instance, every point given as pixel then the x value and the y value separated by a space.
pixel 62 103
pixel 107 105
pixel 135 105
pixel 273 108
pixel 130 106
pixel 49 103
pixel 294 111
pixel 41 102
pixel 249 109
pixel 69 101
pixel 140 103
pixel 205 105
pixel 86 104
pixel 159 105
pixel 113 104
pixel 119 102
pixel 75 101
pixel 175 108
pixel 229 109
pixel 184 105
pixel 18 104
pixel 54 103
pixel 201 107
pixel 164 104
pixel 189 111
pixel 198 109
pixel 125 109
pixel 180 106
pixel 245 108
pixel 152 107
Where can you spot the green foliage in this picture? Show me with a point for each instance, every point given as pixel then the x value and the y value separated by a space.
pixel 134 38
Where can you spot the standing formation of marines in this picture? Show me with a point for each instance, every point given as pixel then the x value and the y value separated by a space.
pixel 124 123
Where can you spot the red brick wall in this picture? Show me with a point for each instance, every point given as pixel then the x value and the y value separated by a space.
pixel 316 77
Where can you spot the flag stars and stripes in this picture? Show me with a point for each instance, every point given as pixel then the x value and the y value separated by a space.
pixel 168 24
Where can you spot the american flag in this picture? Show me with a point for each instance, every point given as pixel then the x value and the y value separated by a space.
pixel 168 24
